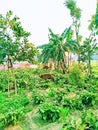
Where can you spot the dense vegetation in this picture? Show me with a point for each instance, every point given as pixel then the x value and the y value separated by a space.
pixel 70 96
pixel 60 90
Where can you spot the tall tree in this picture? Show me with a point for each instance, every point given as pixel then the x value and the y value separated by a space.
pixel 93 26
pixel 89 46
pixel 75 13
pixel 88 49
pixel 13 41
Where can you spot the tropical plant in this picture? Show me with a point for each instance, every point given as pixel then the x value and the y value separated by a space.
pixel 55 49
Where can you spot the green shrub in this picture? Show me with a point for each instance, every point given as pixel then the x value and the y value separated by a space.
pixel 44 84
pixel 38 98
pixel 51 92
pixel 59 97
pixel 70 88
pixel 75 75
pixel 68 103
pixel 49 112
pixel 84 121
pixel 3 80
pixel 90 120
pixel 11 109
pixel 61 79
pixel 84 100
pixel 88 99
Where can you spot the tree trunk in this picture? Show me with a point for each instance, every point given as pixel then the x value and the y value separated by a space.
pixel 62 67
pixel 89 67
pixel 11 70
pixel 68 60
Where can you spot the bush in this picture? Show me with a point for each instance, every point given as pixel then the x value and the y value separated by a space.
pixel 11 109
pixel 84 121
pixel 75 75
pixel 88 99
pixel 38 98
pixel 90 120
pixel 3 80
pixel 49 112
pixel 73 103
pixel 51 92
pixel 61 79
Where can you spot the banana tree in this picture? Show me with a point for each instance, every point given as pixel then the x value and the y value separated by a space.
pixel 55 49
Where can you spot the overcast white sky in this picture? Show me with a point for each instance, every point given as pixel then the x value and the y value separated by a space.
pixel 37 16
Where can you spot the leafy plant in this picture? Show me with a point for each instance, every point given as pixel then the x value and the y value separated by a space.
pixel 51 92
pixel 75 74
pixel 88 99
pixel 38 98
pixel 90 120
pixel 68 103
pixel 14 109
pixel 49 112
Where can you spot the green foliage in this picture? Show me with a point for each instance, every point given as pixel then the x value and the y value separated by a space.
pixel 51 92
pixel 59 97
pixel 11 109
pixel 75 74
pixel 80 102
pixel 61 101
pixel 68 103
pixel 71 97
pixel 61 79
pixel 44 85
pixel 88 49
pixel 74 10
pixel 3 80
pixel 88 99
pixel 55 49
pixel 74 122
pixel 38 98
pixel 14 40
pixel 90 44
pixel 49 112
pixel 11 117
pixel 93 25
pixel 72 103
pixel 83 121
pixel 90 120
pixel 75 13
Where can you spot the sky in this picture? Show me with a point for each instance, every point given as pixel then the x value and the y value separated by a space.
pixel 37 16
